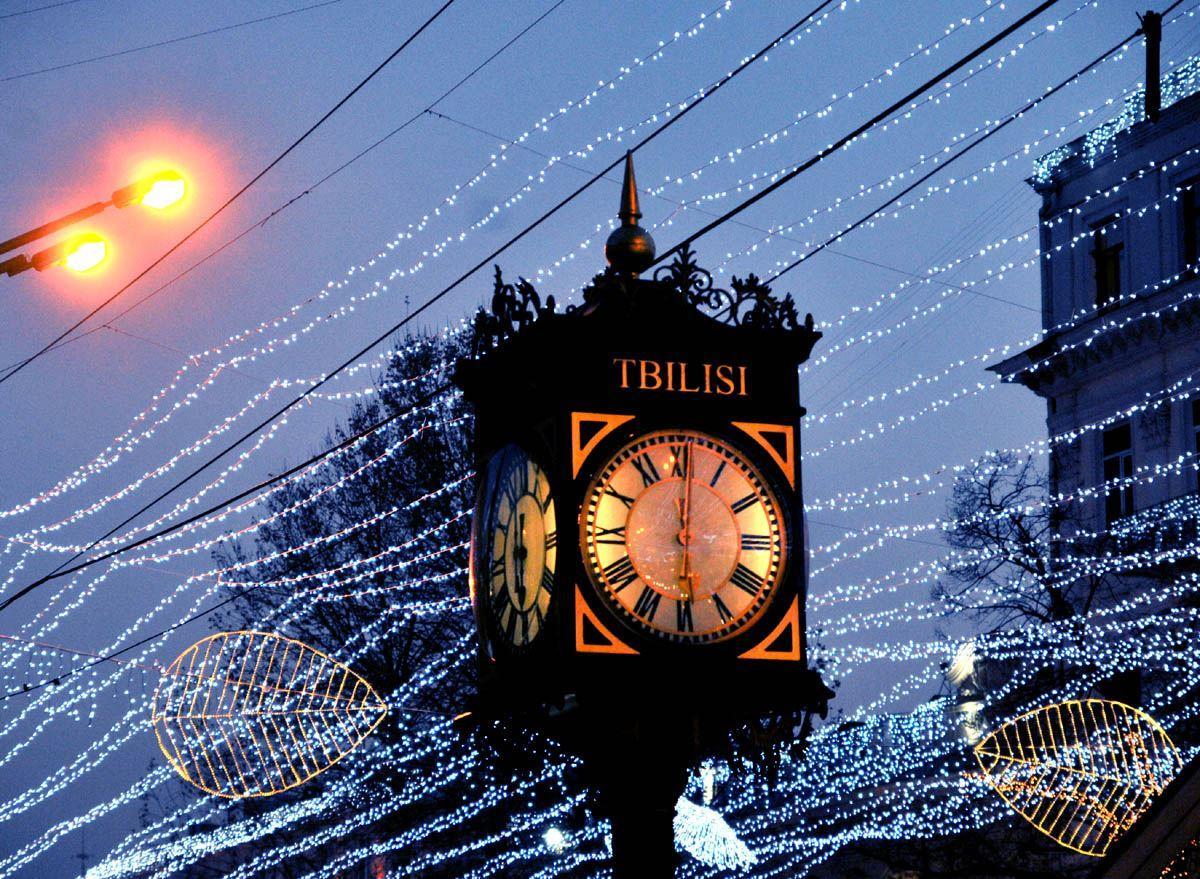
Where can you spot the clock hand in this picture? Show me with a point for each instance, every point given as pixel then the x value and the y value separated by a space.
pixel 519 553
pixel 685 534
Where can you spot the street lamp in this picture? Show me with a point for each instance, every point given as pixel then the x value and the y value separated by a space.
pixel 81 253
pixel 158 192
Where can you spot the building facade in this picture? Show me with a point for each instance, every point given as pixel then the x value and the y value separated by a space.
pixel 1119 363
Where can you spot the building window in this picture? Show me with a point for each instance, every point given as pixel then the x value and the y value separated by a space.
pixel 1106 252
pixel 1190 233
pixel 1118 464
pixel 1196 438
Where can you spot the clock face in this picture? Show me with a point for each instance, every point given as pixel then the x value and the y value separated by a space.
pixel 516 547
pixel 683 536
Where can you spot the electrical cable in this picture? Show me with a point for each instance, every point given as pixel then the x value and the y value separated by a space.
pixel 692 206
pixel 39 8
pixel 310 188
pixel 429 21
pixel 1013 117
pixel 162 532
pixel 63 571
pixel 184 38
pixel 59 571
pixel 857 132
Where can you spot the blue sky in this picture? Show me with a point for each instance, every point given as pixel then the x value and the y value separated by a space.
pixel 223 105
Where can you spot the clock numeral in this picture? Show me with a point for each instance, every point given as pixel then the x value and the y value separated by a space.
pixel 746 580
pixel 497 571
pixel 547 582
pixel 746 503
pixel 625 499
pixel 646 468
pixel 614 536
pixel 551 540
pixel 756 542
pixel 679 459
pixel 516 484
pixel 716 477
pixel 620 573
pixel 683 616
pixel 510 627
pixel 722 611
pixel 647 603
pixel 547 502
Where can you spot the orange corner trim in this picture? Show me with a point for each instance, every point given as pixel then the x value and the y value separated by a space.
pixel 579 449
pixel 791 620
pixel 759 432
pixel 614 645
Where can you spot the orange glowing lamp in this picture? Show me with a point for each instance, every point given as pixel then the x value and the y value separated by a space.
pixel 81 253
pixel 158 191
pixel 86 253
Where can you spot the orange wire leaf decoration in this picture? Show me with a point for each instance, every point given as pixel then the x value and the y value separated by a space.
pixel 250 714
pixel 1082 772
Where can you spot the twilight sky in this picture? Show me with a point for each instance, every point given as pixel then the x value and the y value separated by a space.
pixel 220 106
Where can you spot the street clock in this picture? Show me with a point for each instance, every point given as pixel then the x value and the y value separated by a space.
pixel 638 535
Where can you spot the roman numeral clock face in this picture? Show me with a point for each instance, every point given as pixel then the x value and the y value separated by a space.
pixel 684 537
pixel 515 548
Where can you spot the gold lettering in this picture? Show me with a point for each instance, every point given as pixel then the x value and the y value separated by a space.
pixel 624 362
pixel 650 370
pixel 725 377
pixel 683 386
pixel 722 379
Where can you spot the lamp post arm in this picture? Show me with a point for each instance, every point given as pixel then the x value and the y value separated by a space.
pixel 53 226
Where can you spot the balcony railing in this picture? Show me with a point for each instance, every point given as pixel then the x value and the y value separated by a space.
pixel 1167 527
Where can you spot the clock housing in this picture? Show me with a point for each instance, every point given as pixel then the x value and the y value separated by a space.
pixel 664 362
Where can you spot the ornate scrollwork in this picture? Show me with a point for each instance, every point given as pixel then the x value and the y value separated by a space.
pixel 694 283
pixel 749 304
pixel 514 307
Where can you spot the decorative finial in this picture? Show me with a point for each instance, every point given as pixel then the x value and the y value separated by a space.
pixel 629 213
pixel 629 249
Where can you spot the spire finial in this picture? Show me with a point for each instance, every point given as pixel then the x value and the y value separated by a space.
pixel 629 213
pixel 630 249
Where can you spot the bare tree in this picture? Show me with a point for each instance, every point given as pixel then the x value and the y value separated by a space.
pixel 1010 563
pixel 366 556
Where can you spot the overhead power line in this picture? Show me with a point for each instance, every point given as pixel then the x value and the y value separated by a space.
pixel 60 569
pixel 162 532
pixel 692 206
pixel 279 158
pixel 1013 117
pixel 39 8
pixel 172 41
pixel 857 132
pixel 311 187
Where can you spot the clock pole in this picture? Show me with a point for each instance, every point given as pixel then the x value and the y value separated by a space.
pixel 637 758
pixel 643 820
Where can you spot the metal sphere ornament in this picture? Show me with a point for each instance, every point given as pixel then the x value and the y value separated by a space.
pixel 629 249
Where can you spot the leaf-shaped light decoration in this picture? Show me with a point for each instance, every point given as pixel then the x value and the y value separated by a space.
pixel 706 836
pixel 1081 772
pixel 245 714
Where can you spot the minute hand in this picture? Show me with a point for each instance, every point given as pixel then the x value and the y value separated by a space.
pixel 685 535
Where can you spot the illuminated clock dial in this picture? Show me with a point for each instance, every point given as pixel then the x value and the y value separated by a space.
pixel 683 536
pixel 515 547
